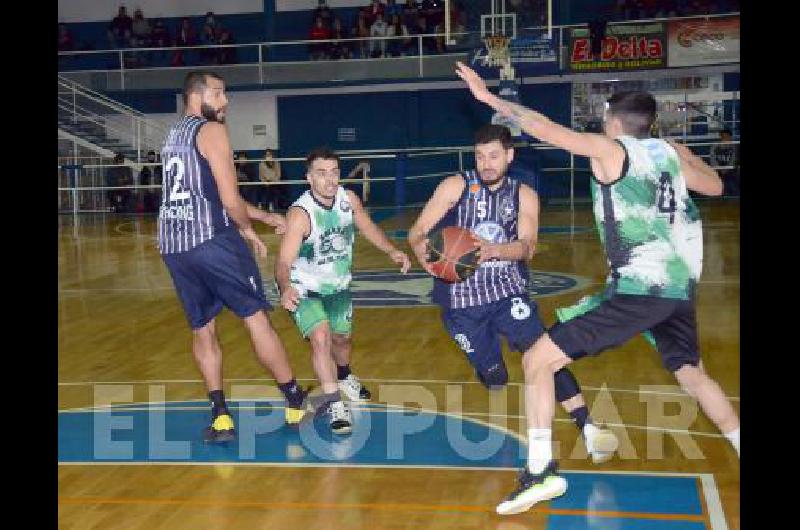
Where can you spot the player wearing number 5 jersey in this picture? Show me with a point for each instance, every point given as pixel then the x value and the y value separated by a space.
pixel 202 227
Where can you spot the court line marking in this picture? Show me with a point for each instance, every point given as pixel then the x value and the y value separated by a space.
pixel 471 416
pixel 716 515
pixel 432 508
pixel 424 381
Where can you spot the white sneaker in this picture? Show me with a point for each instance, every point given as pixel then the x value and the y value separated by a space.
pixel 601 443
pixel 341 419
pixel 352 389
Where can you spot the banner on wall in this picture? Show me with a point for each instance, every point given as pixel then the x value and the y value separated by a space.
pixel 697 42
pixel 529 57
pixel 625 47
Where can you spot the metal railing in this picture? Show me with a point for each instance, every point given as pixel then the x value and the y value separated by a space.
pixel 276 63
pixel 105 122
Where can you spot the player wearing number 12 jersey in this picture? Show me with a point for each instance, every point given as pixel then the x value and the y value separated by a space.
pixel 202 227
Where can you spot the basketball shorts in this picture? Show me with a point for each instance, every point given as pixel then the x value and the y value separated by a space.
pixel 220 272
pixel 604 321
pixel 478 329
pixel 336 309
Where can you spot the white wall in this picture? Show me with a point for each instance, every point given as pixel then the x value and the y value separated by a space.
pixel 105 10
pixel 246 109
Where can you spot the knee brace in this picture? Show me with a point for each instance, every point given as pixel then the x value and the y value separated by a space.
pixel 566 385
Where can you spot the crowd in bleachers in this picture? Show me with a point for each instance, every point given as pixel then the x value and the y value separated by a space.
pixel 128 33
pixel 377 22
pixel 373 22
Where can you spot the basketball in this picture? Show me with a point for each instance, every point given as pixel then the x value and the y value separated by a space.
pixel 452 254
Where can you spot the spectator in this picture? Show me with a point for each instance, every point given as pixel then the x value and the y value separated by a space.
pixel 119 30
pixel 160 35
pixel 269 170
pixel 319 32
pixel 361 31
pixel 208 38
pixel 226 55
pixel 433 11
pixel 325 13
pixel 379 28
pixel 373 10
pixel 410 13
pixel 211 20
pixel 727 155
pixel 148 176
pixel 160 39
pixel 421 28
pixel 398 47
pixel 392 9
pixel 119 175
pixel 65 41
pixel 246 172
pixel 340 49
pixel 140 30
pixel 184 37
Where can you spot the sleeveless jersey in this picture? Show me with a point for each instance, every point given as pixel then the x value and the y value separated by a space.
pixel 648 224
pixel 191 211
pixel 491 215
pixel 326 255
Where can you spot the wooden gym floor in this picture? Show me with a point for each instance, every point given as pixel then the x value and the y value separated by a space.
pixel 123 338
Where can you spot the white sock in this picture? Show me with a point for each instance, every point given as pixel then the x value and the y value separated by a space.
pixel 733 438
pixel 540 449
pixel 589 432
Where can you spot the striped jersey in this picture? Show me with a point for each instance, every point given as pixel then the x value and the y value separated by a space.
pixel 191 211
pixel 491 215
pixel 648 223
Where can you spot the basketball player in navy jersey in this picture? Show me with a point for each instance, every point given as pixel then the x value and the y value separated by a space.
pixel 204 226
pixel 503 215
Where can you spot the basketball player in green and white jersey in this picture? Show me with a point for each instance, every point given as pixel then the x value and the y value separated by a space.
pixel 652 236
pixel 313 275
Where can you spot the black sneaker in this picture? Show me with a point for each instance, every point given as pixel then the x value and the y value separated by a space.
pixel 533 488
pixel 220 430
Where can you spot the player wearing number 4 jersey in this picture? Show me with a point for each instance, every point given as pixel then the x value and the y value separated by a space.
pixel 203 224
pixel 650 230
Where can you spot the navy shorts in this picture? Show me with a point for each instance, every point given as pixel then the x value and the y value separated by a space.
pixel 478 330
pixel 220 272
pixel 671 322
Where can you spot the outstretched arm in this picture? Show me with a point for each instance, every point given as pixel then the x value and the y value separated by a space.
pixel 540 126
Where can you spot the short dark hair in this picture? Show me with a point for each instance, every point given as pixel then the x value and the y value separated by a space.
pixel 323 153
pixel 196 82
pixel 491 132
pixel 636 110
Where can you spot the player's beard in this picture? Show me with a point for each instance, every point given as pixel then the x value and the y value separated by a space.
pixel 211 114
pixel 500 177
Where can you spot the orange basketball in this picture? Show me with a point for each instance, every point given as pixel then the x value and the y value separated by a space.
pixel 452 254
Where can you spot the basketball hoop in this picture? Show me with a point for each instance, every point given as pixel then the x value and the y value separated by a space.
pixel 497 54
